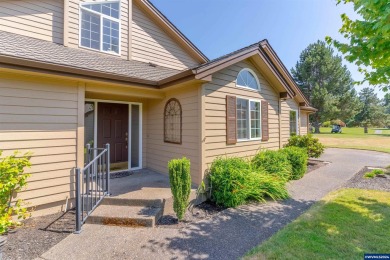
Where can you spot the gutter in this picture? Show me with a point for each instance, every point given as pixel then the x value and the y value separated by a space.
pixel 309 109
pixel 14 62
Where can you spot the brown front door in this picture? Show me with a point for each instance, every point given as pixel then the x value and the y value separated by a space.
pixel 113 128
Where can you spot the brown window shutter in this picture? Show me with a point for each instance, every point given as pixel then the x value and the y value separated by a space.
pixel 231 124
pixel 264 121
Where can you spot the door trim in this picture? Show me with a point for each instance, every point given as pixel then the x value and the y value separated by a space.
pixel 96 103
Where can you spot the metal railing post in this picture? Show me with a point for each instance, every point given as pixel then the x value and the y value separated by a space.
pixel 88 146
pixel 78 202
pixel 93 173
pixel 108 169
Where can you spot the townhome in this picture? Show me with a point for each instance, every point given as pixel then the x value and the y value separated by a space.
pixel 75 73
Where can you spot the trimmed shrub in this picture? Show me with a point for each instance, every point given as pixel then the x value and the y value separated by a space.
pixel 273 162
pixel 234 182
pixel 12 180
pixel 313 146
pixel 180 180
pixel 228 178
pixel 263 185
pixel 298 159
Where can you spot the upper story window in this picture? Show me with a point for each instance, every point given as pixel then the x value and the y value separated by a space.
pixel 100 26
pixel 247 78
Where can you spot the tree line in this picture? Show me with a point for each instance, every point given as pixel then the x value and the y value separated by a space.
pixel 328 84
pixel 329 87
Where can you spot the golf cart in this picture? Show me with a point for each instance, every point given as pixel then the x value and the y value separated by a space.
pixel 336 129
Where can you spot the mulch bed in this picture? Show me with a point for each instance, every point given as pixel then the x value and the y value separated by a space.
pixel 314 165
pixel 377 183
pixel 209 209
pixel 37 235
pixel 204 210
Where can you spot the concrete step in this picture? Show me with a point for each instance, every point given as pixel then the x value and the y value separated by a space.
pixel 117 201
pixel 122 215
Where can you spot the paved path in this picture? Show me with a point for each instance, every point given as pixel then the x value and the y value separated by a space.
pixel 226 236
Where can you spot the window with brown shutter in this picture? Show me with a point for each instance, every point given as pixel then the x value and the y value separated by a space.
pixel 231 125
pixel 264 121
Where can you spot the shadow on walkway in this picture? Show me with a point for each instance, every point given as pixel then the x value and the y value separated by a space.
pixel 234 232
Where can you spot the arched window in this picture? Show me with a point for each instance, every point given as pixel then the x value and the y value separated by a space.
pixel 247 78
pixel 172 121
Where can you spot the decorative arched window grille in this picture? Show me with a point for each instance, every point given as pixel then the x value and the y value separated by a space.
pixel 172 121
pixel 247 78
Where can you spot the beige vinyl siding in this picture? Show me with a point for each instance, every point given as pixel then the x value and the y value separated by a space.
pixel 40 116
pixel 159 152
pixel 73 33
pixel 287 106
pixel 151 44
pixel 304 123
pixel 215 92
pixel 41 19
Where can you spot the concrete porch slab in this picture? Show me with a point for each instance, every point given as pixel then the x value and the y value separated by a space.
pixel 142 184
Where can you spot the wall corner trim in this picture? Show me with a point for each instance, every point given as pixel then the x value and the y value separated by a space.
pixel 66 23
pixel 130 30
pixel 80 124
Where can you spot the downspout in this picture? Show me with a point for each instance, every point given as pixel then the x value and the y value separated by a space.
pixel 280 123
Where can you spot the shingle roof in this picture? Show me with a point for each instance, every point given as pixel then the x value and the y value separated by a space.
pixel 24 47
pixel 257 44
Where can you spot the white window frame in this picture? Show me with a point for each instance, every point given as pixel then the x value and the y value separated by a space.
pixel 297 121
pixel 250 121
pixel 81 9
pixel 254 75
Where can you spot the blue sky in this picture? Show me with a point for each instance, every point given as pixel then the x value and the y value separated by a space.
pixel 218 27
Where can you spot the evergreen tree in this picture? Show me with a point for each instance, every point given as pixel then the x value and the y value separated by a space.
pixel 372 112
pixel 327 83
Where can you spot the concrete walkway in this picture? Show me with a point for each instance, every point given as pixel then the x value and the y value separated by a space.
pixel 226 236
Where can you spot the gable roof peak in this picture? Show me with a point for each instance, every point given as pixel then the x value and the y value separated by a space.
pixel 250 47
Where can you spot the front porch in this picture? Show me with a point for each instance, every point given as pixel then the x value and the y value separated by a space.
pixel 133 122
pixel 138 200
pixel 141 184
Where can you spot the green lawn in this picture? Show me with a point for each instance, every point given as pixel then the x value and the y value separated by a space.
pixel 344 225
pixel 355 131
pixel 355 138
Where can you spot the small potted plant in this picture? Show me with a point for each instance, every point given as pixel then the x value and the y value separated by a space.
pixel 12 180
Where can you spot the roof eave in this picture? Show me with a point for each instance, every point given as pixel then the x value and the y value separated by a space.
pixel 218 65
pixel 62 69
pixel 308 108
pixel 272 54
